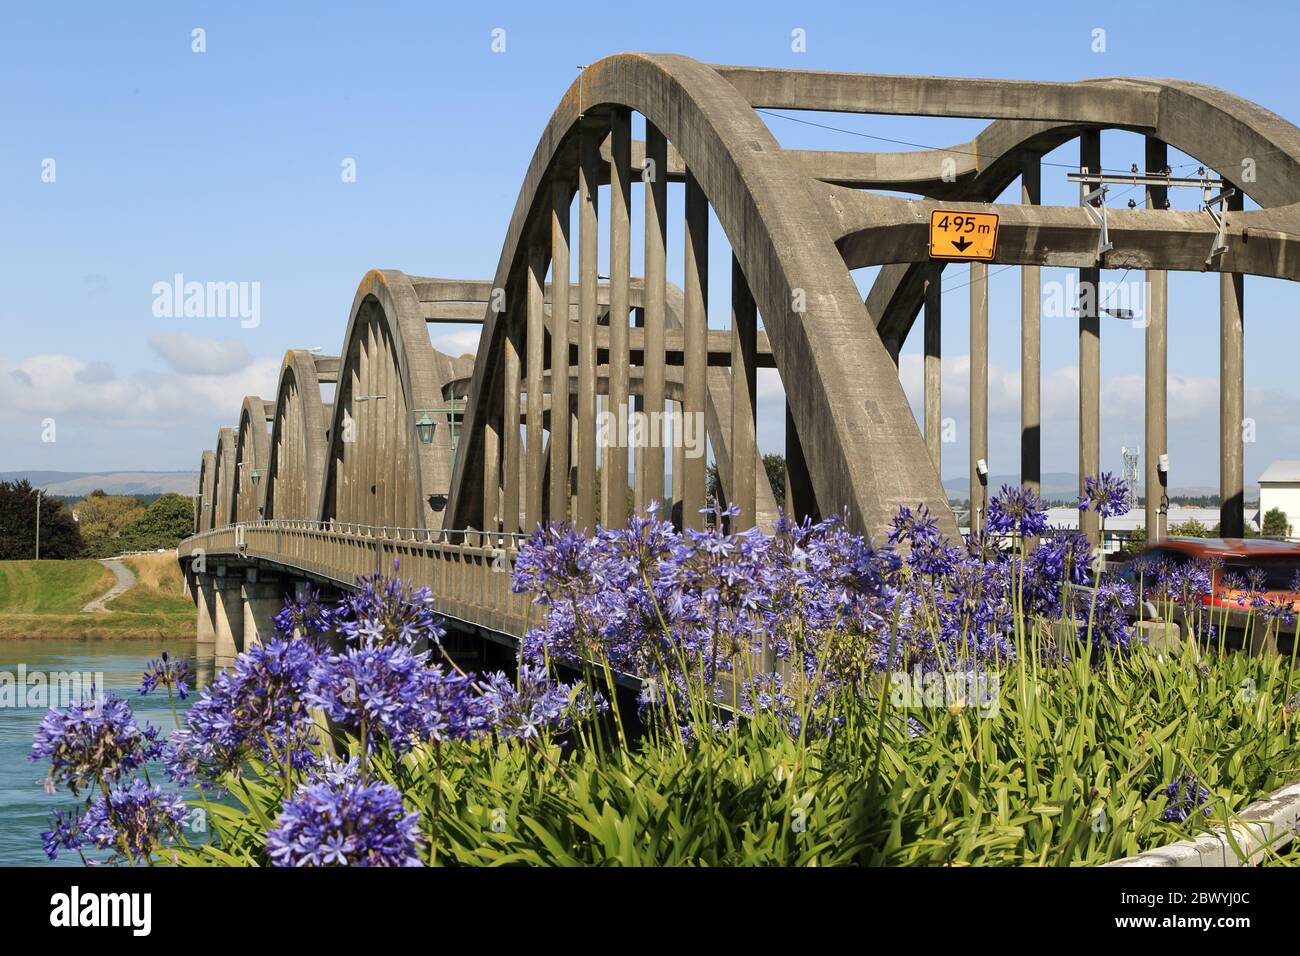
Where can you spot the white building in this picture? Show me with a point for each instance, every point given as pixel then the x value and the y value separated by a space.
pixel 1120 527
pixel 1279 487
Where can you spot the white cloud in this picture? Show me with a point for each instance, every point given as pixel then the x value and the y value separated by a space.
pixel 77 393
pixel 195 355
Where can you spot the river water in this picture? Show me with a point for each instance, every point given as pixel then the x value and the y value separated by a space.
pixel 25 807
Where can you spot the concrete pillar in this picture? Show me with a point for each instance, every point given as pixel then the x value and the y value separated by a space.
pixel 742 485
pixel 695 343
pixel 1089 354
pixel 588 249
pixel 1232 385
pixel 262 600
pixel 614 469
pixel 1031 468
pixel 933 407
pixel 656 239
pixel 228 620
pixel 511 346
pixel 561 195
pixel 1157 362
pixel 205 601
pixel 800 502
pixel 534 463
pixel 979 386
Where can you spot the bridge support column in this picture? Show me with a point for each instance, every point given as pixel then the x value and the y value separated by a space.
pixel 229 617
pixel 979 387
pixel 205 603
pixel 933 401
pixel 1157 360
pixel 1232 385
pixel 1031 469
pixel 1089 355
pixel 262 600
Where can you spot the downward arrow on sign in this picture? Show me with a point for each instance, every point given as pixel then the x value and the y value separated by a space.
pixel 962 244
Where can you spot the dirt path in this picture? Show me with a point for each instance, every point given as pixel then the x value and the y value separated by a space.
pixel 125 579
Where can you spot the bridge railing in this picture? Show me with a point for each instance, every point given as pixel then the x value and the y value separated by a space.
pixel 468 571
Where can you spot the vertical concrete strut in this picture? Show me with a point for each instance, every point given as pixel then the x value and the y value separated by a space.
pixel 742 483
pixel 656 252
pixel 1157 362
pixel 588 239
pixel 1030 343
pixel 932 412
pixel 510 424
pixel 1089 355
pixel 695 349
pixel 561 196
pixel 1232 385
pixel 536 343
pixel 614 499
pixel 979 385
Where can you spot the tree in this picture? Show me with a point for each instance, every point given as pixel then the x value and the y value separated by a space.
pixel 60 537
pixel 1190 529
pixel 1276 524
pixel 163 524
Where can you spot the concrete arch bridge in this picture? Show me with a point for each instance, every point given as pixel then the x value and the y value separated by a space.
pixel 393 450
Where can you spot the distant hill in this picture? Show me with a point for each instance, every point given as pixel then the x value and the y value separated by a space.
pixel 75 484
pixel 1059 485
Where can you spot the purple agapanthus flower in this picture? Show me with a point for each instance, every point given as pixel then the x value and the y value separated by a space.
pixel 263 695
pixel 94 742
pixel 1017 510
pixel 1105 494
pixel 341 822
pixel 167 673
pixel 1185 796
pixel 138 818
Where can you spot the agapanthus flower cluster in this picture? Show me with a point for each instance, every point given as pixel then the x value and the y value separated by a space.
pixel 524 707
pixel 1185 796
pixel 383 687
pixel 255 708
pixel 168 673
pixel 135 820
pixel 93 743
pixel 1017 510
pixel 305 617
pixel 384 610
pixel 340 821
pixel 1105 495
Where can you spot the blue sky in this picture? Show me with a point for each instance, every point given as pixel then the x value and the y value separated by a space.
pixel 225 166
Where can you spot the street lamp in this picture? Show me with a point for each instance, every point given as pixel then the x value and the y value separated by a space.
pixel 424 429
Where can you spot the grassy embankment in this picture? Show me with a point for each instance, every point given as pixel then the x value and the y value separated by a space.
pixel 44 599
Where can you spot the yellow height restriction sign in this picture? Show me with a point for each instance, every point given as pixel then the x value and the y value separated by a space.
pixel 963 235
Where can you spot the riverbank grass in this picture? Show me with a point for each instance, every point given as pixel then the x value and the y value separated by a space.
pixel 43 599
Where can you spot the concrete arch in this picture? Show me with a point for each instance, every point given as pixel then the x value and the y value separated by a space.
pixel 207 478
pixel 252 456
pixel 223 490
pixel 299 441
pixel 377 472
pixel 862 445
